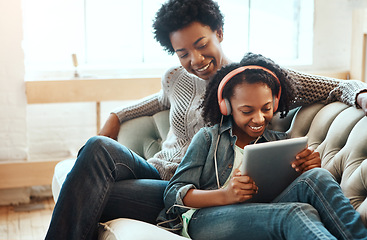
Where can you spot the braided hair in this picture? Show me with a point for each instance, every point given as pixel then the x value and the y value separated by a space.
pixel 211 112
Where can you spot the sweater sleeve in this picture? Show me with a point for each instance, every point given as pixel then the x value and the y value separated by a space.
pixel 313 88
pixel 148 105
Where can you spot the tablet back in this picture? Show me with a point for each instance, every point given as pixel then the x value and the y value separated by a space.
pixel 269 165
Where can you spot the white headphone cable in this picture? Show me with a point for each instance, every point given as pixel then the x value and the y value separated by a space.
pixel 215 154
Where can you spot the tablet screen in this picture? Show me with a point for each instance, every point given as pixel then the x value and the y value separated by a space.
pixel 269 165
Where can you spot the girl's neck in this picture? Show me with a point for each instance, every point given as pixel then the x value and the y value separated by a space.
pixel 242 138
pixel 241 144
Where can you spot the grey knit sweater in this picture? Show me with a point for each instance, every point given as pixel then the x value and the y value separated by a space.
pixel 182 93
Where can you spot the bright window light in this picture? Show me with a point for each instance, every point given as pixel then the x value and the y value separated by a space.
pixel 114 37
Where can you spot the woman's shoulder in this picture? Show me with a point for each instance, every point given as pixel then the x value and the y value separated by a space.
pixel 174 73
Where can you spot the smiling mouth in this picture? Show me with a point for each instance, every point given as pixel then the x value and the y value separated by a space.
pixel 203 68
pixel 256 128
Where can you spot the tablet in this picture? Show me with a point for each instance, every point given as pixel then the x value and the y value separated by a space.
pixel 269 165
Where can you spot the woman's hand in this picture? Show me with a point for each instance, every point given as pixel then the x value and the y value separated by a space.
pixel 240 188
pixel 362 101
pixel 306 160
pixel 111 128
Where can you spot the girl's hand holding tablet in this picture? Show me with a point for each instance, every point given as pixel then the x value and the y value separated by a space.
pixel 240 188
pixel 306 160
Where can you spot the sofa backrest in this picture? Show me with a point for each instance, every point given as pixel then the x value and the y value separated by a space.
pixel 145 135
pixel 339 134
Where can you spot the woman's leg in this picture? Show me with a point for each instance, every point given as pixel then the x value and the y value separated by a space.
pixel 258 221
pixel 140 199
pixel 85 192
pixel 318 188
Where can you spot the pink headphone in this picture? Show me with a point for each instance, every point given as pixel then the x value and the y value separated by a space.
pixel 224 104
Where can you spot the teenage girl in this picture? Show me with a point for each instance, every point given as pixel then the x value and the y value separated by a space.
pixel 209 193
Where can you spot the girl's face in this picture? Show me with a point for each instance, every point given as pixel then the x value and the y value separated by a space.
pixel 252 110
pixel 199 49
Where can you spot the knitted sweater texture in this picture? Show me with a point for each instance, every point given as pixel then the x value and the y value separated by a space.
pixel 182 93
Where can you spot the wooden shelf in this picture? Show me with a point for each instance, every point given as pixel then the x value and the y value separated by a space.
pixel 90 90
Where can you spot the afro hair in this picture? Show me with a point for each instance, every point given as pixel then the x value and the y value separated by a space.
pixel 177 14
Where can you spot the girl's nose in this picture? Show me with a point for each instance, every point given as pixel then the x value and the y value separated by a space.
pixel 258 118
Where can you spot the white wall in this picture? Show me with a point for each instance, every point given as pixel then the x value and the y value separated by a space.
pixel 13 132
pixel 332 34
pixel 37 132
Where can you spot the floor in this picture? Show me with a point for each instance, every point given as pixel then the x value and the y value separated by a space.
pixel 26 222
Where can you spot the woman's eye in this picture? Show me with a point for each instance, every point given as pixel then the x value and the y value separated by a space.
pixel 202 46
pixel 183 55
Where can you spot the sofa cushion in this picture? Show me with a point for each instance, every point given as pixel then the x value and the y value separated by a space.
pixel 123 228
pixel 61 171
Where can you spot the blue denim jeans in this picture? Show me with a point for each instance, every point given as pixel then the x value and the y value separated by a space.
pixel 108 181
pixel 312 207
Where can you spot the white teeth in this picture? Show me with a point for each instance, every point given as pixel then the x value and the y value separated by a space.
pixel 256 128
pixel 203 68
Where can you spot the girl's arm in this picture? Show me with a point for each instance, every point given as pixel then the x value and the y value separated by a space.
pixel 239 189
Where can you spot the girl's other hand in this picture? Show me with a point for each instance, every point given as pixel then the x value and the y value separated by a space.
pixel 240 188
pixel 306 160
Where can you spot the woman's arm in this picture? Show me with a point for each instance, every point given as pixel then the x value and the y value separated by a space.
pixel 313 89
pixel 146 107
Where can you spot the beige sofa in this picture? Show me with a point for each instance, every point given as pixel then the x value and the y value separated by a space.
pixel 337 131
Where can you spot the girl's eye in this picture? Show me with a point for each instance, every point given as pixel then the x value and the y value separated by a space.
pixel 267 109
pixel 246 112
pixel 183 55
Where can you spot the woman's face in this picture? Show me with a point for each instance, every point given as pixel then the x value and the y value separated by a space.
pixel 252 110
pixel 199 49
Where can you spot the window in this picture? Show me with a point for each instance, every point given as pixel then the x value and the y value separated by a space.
pixel 114 37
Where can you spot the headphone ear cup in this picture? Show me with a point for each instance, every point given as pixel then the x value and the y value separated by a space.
pixel 228 107
pixel 225 107
pixel 275 104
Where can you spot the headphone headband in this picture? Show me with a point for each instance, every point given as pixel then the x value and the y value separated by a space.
pixel 236 71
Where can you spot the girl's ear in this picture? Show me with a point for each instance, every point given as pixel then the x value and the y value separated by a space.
pixel 275 104
pixel 219 33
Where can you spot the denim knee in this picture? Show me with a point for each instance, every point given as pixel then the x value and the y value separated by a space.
pixel 318 175
pixel 94 143
pixel 296 208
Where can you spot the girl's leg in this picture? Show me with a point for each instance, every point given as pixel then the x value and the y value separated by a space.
pixel 85 192
pixel 258 221
pixel 318 188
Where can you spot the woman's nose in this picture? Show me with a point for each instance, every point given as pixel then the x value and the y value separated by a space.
pixel 196 58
